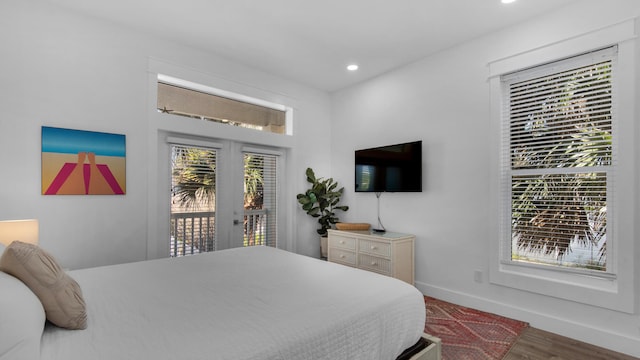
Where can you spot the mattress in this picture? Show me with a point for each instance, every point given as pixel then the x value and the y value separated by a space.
pixel 246 303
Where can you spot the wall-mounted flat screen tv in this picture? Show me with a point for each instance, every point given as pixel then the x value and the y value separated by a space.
pixel 391 168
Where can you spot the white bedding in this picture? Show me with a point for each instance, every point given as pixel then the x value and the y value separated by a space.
pixel 245 303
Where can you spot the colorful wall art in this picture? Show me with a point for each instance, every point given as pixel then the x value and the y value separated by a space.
pixel 78 162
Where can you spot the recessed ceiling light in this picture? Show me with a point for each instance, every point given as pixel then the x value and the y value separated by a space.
pixel 352 67
pixel 508 1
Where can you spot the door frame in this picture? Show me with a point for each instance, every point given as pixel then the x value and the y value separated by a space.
pixel 155 149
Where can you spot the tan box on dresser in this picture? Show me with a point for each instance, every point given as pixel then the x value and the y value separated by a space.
pixel 387 253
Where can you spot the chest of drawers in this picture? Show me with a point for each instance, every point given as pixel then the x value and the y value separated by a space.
pixel 387 253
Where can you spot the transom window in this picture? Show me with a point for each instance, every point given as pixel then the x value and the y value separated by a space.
pixel 182 101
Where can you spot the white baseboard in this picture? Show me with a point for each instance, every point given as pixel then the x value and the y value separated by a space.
pixel 585 333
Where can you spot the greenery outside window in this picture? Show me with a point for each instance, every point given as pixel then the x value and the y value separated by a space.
pixel 193 200
pixel 260 198
pixel 559 162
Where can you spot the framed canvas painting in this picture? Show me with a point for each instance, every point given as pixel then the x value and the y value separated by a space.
pixel 78 162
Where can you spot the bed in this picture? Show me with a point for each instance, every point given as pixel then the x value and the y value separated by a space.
pixel 245 303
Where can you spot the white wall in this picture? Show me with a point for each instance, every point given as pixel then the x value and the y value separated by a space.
pixel 64 69
pixel 444 100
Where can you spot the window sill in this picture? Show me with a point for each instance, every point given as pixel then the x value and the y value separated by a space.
pixel 601 291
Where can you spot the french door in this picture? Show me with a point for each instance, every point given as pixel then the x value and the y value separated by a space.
pixel 223 195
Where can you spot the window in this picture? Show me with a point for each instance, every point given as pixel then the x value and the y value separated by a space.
pixel 183 101
pixel 559 149
pixel 260 199
pixel 577 164
pixel 193 200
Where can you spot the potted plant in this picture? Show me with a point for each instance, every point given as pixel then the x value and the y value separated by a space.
pixel 320 201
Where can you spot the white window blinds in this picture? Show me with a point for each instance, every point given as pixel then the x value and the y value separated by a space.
pixel 260 199
pixel 193 199
pixel 182 101
pixel 559 153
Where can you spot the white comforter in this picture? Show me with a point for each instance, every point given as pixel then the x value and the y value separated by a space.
pixel 246 303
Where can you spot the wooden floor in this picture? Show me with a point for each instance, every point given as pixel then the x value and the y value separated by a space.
pixel 535 344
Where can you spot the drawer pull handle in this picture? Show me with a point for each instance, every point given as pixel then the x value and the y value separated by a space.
pixel 374 247
pixel 373 263
pixel 342 256
pixel 341 241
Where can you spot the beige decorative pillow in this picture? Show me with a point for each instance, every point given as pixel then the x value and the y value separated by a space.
pixel 60 295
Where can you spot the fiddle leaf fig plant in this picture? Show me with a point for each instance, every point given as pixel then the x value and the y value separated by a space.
pixel 321 201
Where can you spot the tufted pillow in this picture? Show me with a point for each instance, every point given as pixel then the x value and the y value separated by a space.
pixel 59 294
pixel 21 320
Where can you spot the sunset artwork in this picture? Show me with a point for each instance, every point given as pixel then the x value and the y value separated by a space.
pixel 78 162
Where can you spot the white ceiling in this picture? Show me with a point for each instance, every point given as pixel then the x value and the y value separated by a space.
pixel 313 41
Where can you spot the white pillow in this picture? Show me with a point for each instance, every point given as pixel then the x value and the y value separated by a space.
pixel 1 248
pixel 22 320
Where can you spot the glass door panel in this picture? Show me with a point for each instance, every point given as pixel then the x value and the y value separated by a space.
pixel 193 200
pixel 260 199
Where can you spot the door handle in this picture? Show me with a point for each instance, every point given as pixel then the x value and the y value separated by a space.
pixel 236 222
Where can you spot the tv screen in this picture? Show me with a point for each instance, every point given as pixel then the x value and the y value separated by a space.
pixel 391 168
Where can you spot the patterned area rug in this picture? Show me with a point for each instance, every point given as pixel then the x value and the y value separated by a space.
pixel 469 334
